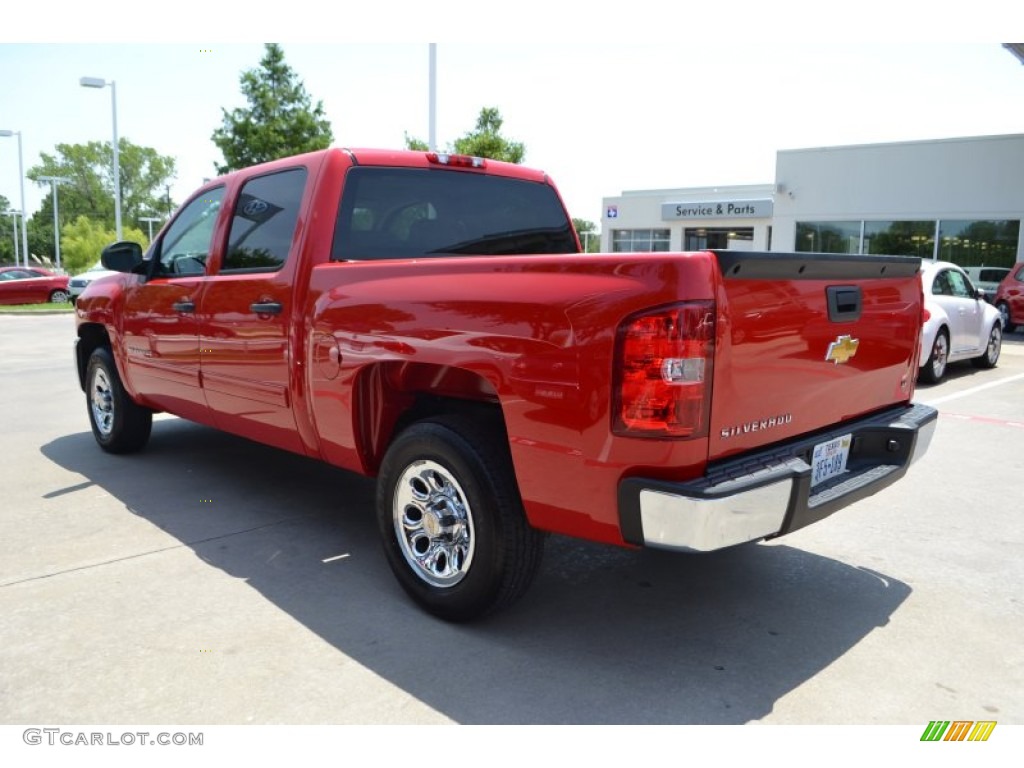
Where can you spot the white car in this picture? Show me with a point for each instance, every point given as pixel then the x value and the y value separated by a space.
pixel 77 283
pixel 959 324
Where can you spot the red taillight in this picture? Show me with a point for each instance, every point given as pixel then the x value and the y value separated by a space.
pixel 664 372
pixel 456 161
pixel 925 315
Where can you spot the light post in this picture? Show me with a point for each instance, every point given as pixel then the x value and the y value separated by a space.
pixel 21 176
pixel 432 118
pixel 54 181
pixel 99 82
pixel 14 231
pixel 150 220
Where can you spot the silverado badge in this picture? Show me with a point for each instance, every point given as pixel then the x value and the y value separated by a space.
pixel 842 349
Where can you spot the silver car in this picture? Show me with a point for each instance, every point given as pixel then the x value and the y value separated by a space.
pixel 987 279
pixel 78 283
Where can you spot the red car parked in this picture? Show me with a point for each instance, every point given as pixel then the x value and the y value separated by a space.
pixel 1010 298
pixel 32 285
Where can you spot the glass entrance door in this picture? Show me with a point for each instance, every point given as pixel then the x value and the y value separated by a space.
pixel 719 238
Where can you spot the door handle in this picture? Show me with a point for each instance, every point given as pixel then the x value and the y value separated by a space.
pixel 266 307
pixel 184 306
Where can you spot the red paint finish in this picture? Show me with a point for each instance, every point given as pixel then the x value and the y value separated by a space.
pixel 773 339
pixel 355 345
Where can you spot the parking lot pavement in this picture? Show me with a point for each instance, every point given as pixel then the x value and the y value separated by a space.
pixel 211 580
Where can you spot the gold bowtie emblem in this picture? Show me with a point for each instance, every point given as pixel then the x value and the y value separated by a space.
pixel 842 349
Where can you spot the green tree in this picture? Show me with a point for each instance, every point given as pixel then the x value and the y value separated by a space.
pixel 83 239
pixel 89 191
pixel 485 140
pixel 279 120
pixel 417 145
pixel 6 233
pixel 590 238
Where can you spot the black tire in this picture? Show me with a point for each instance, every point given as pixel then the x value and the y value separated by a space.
pixel 935 367
pixel 995 344
pixel 118 423
pixel 452 521
pixel 1004 316
pixel 59 296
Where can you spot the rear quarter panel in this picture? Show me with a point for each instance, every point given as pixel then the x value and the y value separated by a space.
pixel 538 331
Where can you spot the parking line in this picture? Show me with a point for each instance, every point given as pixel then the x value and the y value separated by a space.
pixel 984 419
pixel 972 390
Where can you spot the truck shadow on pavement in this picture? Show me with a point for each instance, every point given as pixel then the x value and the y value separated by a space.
pixel 605 635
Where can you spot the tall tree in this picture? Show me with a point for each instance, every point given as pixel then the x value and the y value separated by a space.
pixel 279 121
pixel 485 140
pixel 89 191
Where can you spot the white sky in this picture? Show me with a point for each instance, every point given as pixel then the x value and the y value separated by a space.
pixel 681 106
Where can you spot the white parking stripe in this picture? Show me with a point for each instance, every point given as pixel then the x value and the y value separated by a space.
pixel 972 390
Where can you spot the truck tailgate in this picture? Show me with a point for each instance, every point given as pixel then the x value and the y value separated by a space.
pixel 807 341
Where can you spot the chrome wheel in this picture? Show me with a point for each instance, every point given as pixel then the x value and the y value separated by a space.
pixel 59 297
pixel 991 355
pixel 995 341
pixel 940 356
pixel 101 401
pixel 434 524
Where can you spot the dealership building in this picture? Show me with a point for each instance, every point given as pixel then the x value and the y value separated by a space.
pixel 959 200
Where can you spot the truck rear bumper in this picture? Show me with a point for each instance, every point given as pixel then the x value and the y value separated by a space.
pixel 768 493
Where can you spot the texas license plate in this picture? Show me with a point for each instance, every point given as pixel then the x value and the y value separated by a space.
pixel 829 459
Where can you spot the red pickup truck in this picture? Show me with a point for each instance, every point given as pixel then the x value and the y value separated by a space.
pixel 428 320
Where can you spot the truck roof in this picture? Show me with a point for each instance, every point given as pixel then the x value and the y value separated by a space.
pixel 388 157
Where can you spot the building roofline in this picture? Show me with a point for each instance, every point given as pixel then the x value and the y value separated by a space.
pixel 915 142
pixel 721 189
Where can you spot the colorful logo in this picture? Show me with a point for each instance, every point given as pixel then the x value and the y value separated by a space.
pixel 958 730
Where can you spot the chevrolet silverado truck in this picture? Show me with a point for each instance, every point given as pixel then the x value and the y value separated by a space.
pixel 429 320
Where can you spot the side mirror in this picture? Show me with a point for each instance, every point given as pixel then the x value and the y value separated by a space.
pixel 123 256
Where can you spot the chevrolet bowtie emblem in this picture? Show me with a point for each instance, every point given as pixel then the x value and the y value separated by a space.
pixel 842 349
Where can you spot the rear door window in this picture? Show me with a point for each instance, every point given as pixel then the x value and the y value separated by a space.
pixel 264 222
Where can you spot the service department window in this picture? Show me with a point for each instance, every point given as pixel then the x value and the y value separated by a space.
pixel 264 222
pixel 639 240
pixel 900 238
pixel 828 236
pixel 979 243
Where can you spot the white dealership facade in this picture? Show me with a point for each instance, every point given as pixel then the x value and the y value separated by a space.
pixel 959 199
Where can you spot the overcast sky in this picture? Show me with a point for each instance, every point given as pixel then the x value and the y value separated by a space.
pixel 600 117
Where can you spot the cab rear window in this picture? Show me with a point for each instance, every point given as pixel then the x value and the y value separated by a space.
pixel 389 213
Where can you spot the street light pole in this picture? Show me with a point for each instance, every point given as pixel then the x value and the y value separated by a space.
pixel 99 82
pixel 432 129
pixel 54 181
pixel 149 220
pixel 21 177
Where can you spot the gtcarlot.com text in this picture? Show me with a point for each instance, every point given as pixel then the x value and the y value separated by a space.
pixel 55 736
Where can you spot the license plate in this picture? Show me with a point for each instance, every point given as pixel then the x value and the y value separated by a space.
pixel 829 459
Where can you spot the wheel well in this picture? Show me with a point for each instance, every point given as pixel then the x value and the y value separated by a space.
pixel 389 397
pixel 90 337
